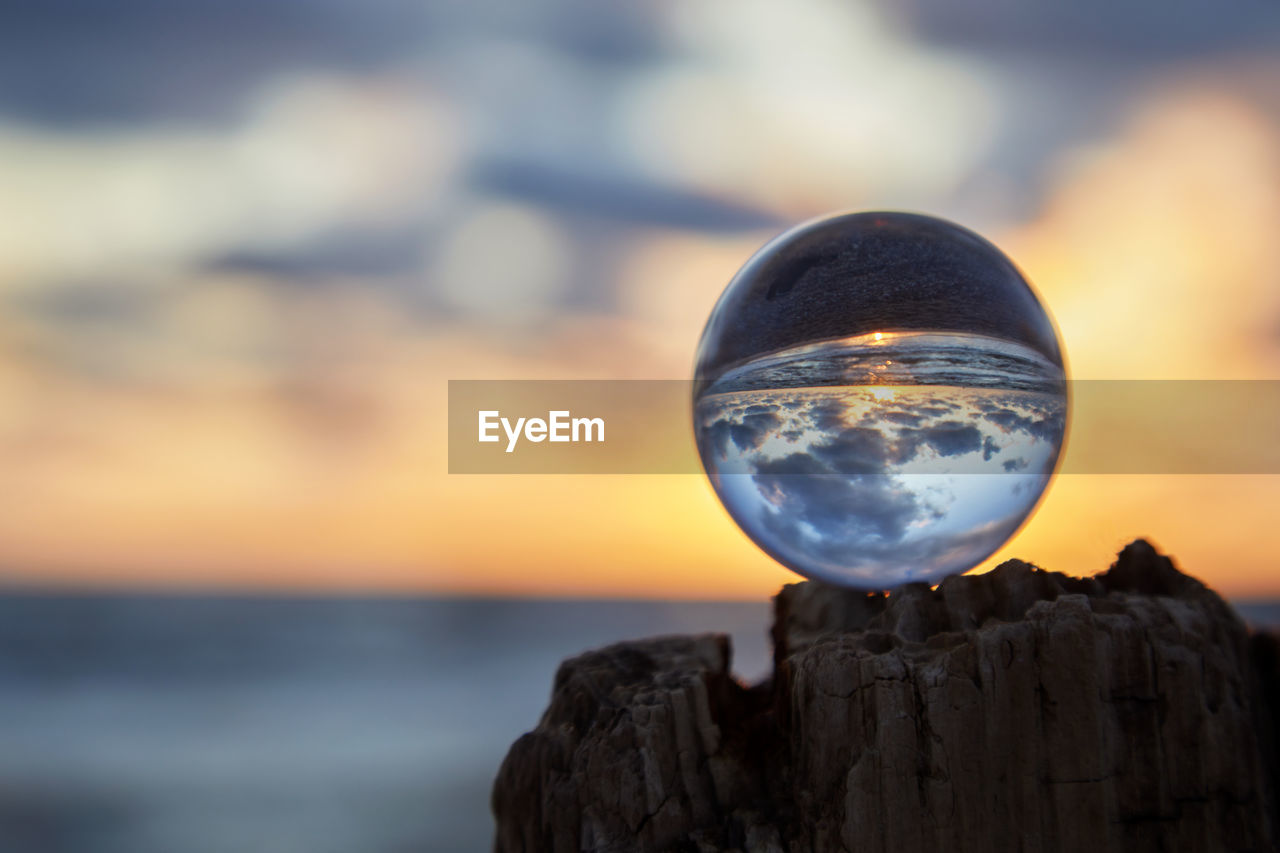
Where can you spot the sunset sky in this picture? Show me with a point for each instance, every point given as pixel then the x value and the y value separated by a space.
pixel 232 295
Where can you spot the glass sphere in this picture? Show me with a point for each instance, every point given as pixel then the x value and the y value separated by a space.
pixel 879 398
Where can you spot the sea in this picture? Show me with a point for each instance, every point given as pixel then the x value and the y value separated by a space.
pixel 227 724
pixel 161 723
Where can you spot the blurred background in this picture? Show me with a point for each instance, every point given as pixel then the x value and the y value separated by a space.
pixel 244 245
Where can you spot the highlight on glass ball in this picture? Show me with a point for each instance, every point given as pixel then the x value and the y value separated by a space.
pixel 880 398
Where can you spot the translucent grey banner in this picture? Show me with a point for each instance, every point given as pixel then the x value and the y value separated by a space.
pixel 648 427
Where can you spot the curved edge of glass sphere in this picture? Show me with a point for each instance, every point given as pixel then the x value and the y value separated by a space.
pixel 880 399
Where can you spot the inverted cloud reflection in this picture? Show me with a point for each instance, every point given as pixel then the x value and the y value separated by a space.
pixel 861 477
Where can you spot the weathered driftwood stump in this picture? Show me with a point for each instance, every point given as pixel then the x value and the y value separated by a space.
pixel 1020 710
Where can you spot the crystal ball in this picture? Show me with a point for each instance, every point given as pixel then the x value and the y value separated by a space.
pixel 879 399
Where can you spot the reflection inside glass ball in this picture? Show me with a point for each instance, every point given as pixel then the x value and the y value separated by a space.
pixel 911 448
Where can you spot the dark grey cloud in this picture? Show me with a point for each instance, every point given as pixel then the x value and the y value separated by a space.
pixel 1044 428
pixel 752 431
pixel 848 450
pixel 949 438
pixel 80 61
pixel 1131 33
pixel 713 439
pixel 846 510
pixel 923 559
pixel 903 417
pixel 856 450
pixel 879 443
pixel 572 191
pixel 863 522
pixel 746 432
pixel 384 253
pixel 827 415
pixel 76 61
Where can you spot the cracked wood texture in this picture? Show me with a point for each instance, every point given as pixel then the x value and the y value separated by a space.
pixel 1020 710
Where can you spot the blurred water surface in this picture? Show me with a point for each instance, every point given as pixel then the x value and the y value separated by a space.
pixel 155 724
